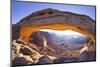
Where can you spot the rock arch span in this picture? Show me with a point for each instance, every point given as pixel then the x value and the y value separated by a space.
pixel 27 31
pixel 57 20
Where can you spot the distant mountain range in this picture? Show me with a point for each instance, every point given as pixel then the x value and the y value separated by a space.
pixel 70 39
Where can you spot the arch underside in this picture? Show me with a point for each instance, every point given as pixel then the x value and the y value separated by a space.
pixel 26 31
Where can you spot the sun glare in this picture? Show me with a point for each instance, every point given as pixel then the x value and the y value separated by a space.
pixel 63 32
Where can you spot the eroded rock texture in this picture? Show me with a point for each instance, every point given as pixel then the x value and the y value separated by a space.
pixel 30 46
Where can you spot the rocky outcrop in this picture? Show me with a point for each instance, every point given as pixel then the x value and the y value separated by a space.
pixel 37 39
pixel 24 55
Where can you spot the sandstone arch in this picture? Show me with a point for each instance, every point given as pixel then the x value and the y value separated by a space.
pixel 57 20
pixel 27 31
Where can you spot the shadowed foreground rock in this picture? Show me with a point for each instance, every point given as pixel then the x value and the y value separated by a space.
pixel 44 60
pixel 22 60
pixel 87 56
pixel 66 60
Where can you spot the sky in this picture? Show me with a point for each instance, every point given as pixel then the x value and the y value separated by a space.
pixel 62 32
pixel 21 9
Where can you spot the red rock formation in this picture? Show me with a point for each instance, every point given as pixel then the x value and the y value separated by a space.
pixel 58 20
